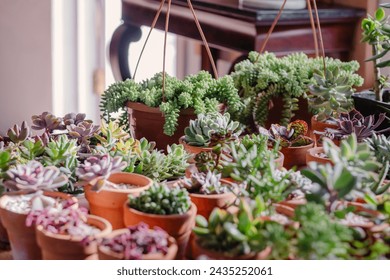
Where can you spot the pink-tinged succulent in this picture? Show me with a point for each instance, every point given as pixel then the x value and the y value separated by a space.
pixel 291 136
pixel 75 119
pixel 34 176
pixel 18 134
pixel 83 131
pixel 138 241
pixel 355 122
pixel 46 121
pixel 96 170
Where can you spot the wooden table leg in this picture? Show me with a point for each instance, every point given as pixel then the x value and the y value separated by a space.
pixel 123 36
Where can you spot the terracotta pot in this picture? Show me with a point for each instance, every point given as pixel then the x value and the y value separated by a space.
pixel 205 203
pixel 198 251
pixel 177 226
pixel 317 126
pixel 108 203
pixel 312 155
pixel 105 253
pixel 295 156
pixel 3 234
pixel 193 150
pixel 21 237
pixel 66 247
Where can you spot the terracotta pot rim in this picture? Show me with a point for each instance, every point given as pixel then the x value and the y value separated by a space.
pixel 212 196
pixel 302 147
pixel 315 150
pixel 127 191
pixel 314 118
pixel 114 233
pixel 104 231
pixel 184 143
pixel 192 209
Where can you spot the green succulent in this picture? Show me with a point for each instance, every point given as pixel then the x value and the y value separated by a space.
pixel 263 77
pixel 380 145
pixel 161 200
pixel 211 129
pixel 330 95
pixel 204 183
pixel 200 91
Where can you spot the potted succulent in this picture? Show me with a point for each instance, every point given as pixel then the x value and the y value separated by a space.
pixel 354 122
pixel 138 242
pixel 209 191
pixel 162 116
pixel 293 142
pixel 209 130
pixel 274 89
pixel 67 233
pixel 28 182
pixel 380 145
pixel 168 208
pixel 376 33
pixel 107 189
pixel 330 95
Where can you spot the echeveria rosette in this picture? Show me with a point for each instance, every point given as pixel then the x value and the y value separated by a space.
pixel 46 121
pixel 73 118
pixel 83 131
pixel 19 134
pixel 96 169
pixel 139 240
pixel 34 176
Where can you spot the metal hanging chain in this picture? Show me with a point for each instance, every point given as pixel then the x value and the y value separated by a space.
pixel 147 37
pixel 203 39
pixel 165 47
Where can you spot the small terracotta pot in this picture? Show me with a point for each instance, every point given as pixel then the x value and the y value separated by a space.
pixel 66 247
pixel 319 127
pixel 21 237
pixel 193 150
pixel 198 251
pixel 108 203
pixel 312 155
pixel 296 156
pixel 106 254
pixel 207 202
pixel 177 226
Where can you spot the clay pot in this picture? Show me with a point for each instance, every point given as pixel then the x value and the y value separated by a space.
pixel 66 247
pixel 205 203
pixel 312 155
pixel 21 237
pixel 108 203
pixel 3 234
pixel 198 251
pixel 177 226
pixel 295 156
pixel 193 150
pixel 317 126
pixel 105 253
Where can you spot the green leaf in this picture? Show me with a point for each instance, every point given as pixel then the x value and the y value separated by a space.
pixel 200 231
pixel 234 232
pixel 201 221
pixel 344 183
pixel 383 64
pixel 380 14
pixel 377 56
pixel 371 200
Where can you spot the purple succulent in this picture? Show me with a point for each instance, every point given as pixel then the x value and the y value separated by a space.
pixel 355 122
pixel 18 134
pixel 75 119
pixel 83 131
pixel 34 176
pixel 46 121
pixel 137 241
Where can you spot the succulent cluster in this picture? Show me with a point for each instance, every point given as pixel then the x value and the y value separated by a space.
pixel 200 91
pixel 211 129
pixel 137 241
pixel 380 145
pixel 355 122
pixel 263 77
pixel 204 183
pixel 96 169
pixel 161 200
pixel 330 95
pixel 292 135
pixel 34 176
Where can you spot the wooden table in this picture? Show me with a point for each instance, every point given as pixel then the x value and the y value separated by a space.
pixel 229 27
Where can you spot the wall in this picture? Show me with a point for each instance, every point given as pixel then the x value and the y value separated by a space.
pixel 25 60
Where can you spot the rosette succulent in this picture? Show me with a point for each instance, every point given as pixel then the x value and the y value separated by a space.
pixel 294 135
pixel 83 131
pixel 34 176
pixel 204 183
pixel 211 129
pixel 18 134
pixel 96 169
pixel 46 121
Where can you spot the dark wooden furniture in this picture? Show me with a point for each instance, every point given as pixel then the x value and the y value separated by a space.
pixel 230 27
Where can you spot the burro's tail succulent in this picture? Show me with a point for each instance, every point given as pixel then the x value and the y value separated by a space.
pixel 96 170
pixel 34 176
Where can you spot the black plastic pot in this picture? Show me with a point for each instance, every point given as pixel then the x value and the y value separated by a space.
pixel 366 104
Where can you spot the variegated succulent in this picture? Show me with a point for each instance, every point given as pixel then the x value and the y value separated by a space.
pixel 18 134
pixel 294 135
pixel 34 176
pixel 211 129
pixel 204 183
pixel 355 122
pixel 83 131
pixel 96 169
